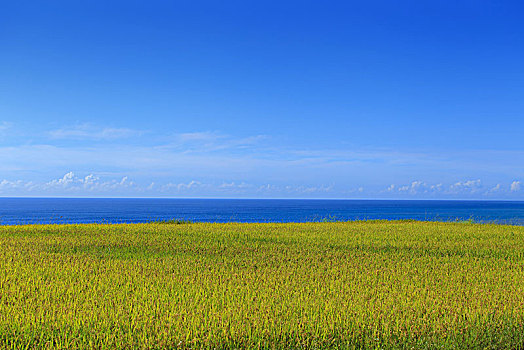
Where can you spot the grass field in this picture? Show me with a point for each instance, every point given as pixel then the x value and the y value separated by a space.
pixel 373 284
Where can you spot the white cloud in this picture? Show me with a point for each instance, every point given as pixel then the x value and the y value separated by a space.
pixel 206 136
pixel 470 186
pixel 5 125
pixel 106 185
pixel 226 164
pixel 467 188
pixel 4 128
pixel 436 187
pixel 268 188
pixel 292 190
pixel 495 189
pixel 234 186
pixel 228 185
pixel 413 188
pixel 423 188
pixel 123 181
pixel 254 164
pixel 209 141
pixel 91 183
pixel 17 185
pixel 313 189
pixel 181 186
pixel 64 181
pixel 88 131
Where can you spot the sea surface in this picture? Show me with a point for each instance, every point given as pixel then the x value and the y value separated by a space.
pixel 15 211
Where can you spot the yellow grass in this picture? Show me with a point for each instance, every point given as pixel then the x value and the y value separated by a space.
pixel 373 284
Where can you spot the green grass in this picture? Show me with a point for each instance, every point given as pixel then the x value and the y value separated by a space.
pixel 372 284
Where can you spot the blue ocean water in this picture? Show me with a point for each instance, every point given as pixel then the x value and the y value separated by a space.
pixel 82 210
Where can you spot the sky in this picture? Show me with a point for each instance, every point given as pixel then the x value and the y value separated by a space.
pixel 262 99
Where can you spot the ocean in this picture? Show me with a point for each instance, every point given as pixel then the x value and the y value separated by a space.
pixel 15 211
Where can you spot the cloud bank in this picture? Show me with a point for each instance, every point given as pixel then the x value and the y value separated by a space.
pixel 91 132
pixel 466 188
pixel 93 185
pixel 122 161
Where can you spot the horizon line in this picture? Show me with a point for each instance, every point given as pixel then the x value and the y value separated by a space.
pixel 278 198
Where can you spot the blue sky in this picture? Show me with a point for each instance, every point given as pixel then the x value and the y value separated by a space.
pixel 270 99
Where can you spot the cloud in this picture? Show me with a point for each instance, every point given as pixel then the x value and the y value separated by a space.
pixel 91 183
pixel 199 188
pixel 212 141
pixel 495 189
pixel 470 186
pixel 65 181
pixel 234 186
pixel 88 131
pixel 311 189
pixel 227 164
pixel 203 136
pixel 466 188
pixel 268 188
pixel 169 187
pixel 212 155
pixel 17 185
pixel 5 125
pixel 423 188
pixel 436 187
pixel 413 188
